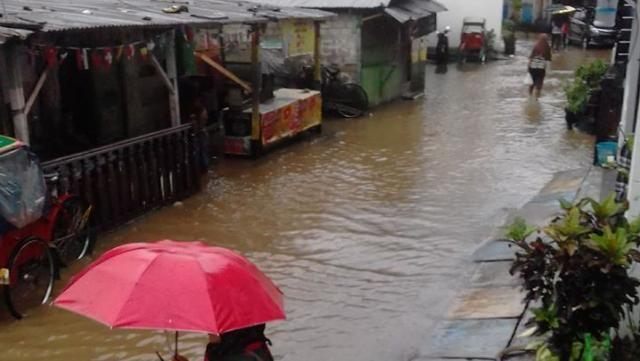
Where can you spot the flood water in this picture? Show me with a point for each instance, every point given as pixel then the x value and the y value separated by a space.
pixel 367 228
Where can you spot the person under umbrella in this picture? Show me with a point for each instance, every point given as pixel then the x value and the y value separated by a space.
pixel 181 287
pixel 246 344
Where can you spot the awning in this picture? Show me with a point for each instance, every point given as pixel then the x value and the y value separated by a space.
pixel 559 9
pixel 9 33
pixel 406 10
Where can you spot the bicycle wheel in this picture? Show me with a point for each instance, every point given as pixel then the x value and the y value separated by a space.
pixel 31 273
pixel 72 236
pixel 353 101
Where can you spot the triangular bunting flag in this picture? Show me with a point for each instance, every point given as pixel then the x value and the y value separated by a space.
pixel 119 52
pixel 107 57
pixel 129 51
pixel 144 53
pixel 96 59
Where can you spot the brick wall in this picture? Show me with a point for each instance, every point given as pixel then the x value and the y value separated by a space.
pixel 340 43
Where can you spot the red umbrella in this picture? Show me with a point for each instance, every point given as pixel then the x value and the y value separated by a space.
pixel 177 286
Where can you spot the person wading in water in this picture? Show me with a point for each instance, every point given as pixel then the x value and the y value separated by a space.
pixel 540 55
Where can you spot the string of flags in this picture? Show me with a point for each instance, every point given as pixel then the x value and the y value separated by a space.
pixel 98 58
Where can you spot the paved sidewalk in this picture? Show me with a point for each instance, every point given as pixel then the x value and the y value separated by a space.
pixel 488 313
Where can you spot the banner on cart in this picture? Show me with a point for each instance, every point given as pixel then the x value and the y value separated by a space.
pixel 291 119
pixel 310 111
pixel 280 123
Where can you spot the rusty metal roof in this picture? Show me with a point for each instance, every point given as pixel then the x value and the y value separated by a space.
pixel 352 4
pixel 58 15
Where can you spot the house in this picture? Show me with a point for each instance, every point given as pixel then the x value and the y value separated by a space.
pixel 105 91
pixel 491 10
pixel 380 44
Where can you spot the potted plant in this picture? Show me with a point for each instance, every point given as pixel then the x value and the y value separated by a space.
pixel 583 93
pixel 577 273
pixel 577 94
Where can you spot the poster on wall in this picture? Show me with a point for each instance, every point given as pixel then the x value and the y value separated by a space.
pixel 299 36
pixel 237 43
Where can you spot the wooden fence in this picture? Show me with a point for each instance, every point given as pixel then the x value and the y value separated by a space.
pixel 126 179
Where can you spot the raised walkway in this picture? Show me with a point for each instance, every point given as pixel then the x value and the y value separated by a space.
pixel 488 314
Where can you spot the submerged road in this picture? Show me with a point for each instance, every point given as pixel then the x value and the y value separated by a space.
pixel 367 229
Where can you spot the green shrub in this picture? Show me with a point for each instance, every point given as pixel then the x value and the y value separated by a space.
pixel 577 96
pixel 591 73
pixel 587 79
pixel 578 272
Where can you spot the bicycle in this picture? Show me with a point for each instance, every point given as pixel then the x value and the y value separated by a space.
pixel 39 230
pixel 348 99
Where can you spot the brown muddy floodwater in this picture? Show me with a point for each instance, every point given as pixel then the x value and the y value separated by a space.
pixel 367 229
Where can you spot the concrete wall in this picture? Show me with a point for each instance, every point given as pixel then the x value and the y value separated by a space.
pixel 458 9
pixel 341 43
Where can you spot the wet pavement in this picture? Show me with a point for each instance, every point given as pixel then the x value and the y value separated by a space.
pixel 368 229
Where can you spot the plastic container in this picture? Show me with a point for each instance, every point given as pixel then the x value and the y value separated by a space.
pixel 606 153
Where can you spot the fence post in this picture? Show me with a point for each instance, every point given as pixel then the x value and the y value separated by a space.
pixel 172 73
pixel 16 93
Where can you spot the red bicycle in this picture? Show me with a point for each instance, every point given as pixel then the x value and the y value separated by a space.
pixel 39 231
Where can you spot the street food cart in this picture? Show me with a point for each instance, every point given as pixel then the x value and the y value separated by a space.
pixel 268 117
pixel 290 113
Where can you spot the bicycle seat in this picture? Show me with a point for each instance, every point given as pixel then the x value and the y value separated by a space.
pixel 333 70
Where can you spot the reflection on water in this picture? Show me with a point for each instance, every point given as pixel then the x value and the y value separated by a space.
pixel 367 228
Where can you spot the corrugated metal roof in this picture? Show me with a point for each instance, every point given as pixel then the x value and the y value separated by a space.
pixel 406 10
pixel 329 4
pixel 8 33
pixel 347 4
pixel 56 15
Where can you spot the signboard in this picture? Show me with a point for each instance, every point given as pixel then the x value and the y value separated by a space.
pixel 299 36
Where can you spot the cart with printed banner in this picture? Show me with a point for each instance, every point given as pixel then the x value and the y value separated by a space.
pixel 290 113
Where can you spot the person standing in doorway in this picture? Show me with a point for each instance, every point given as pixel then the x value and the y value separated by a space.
pixel 540 55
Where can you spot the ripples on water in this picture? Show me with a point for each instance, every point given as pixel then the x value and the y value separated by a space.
pixel 367 229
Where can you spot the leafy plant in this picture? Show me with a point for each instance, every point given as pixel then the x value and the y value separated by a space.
pixel 615 246
pixel 587 79
pixel 579 274
pixel 577 94
pixel 519 230
pixel 608 209
pixel 508 29
pixel 592 73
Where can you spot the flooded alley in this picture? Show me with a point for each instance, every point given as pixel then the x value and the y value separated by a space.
pixel 367 228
